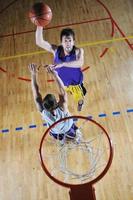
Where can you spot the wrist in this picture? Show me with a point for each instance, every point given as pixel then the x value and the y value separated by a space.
pixel 33 75
pixel 62 64
pixel 59 65
pixel 39 27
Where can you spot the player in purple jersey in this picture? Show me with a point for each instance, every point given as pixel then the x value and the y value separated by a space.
pixel 68 60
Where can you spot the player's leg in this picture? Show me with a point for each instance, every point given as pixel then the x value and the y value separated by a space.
pixel 74 133
pixel 81 101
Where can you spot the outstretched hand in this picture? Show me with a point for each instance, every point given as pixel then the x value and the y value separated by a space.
pixel 33 68
pixel 51 69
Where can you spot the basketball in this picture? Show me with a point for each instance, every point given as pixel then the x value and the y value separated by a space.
pixel 40 14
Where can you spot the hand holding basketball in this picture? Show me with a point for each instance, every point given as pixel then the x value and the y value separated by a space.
pixel 40 14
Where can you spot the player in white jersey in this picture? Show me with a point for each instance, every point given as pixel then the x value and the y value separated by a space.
pixel 53 110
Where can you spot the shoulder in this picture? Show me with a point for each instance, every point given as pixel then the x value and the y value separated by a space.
pixel 39 98
pixel 79 51
pixel 63 102
pixel 38 102
pixel 54 47
pixel 59 52
pixel 44 113
pixel 63 109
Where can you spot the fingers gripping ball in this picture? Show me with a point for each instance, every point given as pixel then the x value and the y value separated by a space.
pixel 40 14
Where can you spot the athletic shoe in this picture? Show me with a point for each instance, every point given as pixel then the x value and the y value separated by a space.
pixel 78 136
pixel 80 105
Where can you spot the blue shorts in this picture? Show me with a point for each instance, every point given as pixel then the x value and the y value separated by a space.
pixel 70 134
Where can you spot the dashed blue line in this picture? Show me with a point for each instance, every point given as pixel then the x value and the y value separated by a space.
pixel 5 130
pixel 102 115
pixel 19 128
pixel 75 119
pixel 116 113
pixel 129 110
pixel 32 126
pixel 45 124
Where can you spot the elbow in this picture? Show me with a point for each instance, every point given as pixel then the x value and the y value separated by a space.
pixel 81 63
pixel 38 43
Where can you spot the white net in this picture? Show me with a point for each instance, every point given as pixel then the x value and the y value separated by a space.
pixel 78 160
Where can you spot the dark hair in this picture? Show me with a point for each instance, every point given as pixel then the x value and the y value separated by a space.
pixel 67 32
pixel 49 102
pixel 61 51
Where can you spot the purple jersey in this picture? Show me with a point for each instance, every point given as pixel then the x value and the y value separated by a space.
pixel 69 75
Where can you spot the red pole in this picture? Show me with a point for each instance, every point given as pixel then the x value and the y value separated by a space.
pixel 85 192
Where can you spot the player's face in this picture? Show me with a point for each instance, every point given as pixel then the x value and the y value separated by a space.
pixel 53 110
pixel 67 43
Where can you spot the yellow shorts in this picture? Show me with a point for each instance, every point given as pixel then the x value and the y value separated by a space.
pixel 76 91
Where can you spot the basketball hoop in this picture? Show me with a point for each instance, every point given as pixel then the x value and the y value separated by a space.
pixel 77 165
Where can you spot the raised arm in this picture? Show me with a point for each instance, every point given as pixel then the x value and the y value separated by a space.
pixel 41 42
pixel 35 89
pixel 62 92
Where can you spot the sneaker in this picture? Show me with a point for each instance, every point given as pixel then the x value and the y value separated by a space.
pixel 80 105
pixel 62 142
pixel 78 136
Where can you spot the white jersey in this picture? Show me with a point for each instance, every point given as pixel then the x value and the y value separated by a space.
pixel 61 127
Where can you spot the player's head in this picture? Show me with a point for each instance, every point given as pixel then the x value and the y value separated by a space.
pixel 49 102
pixel 67 38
